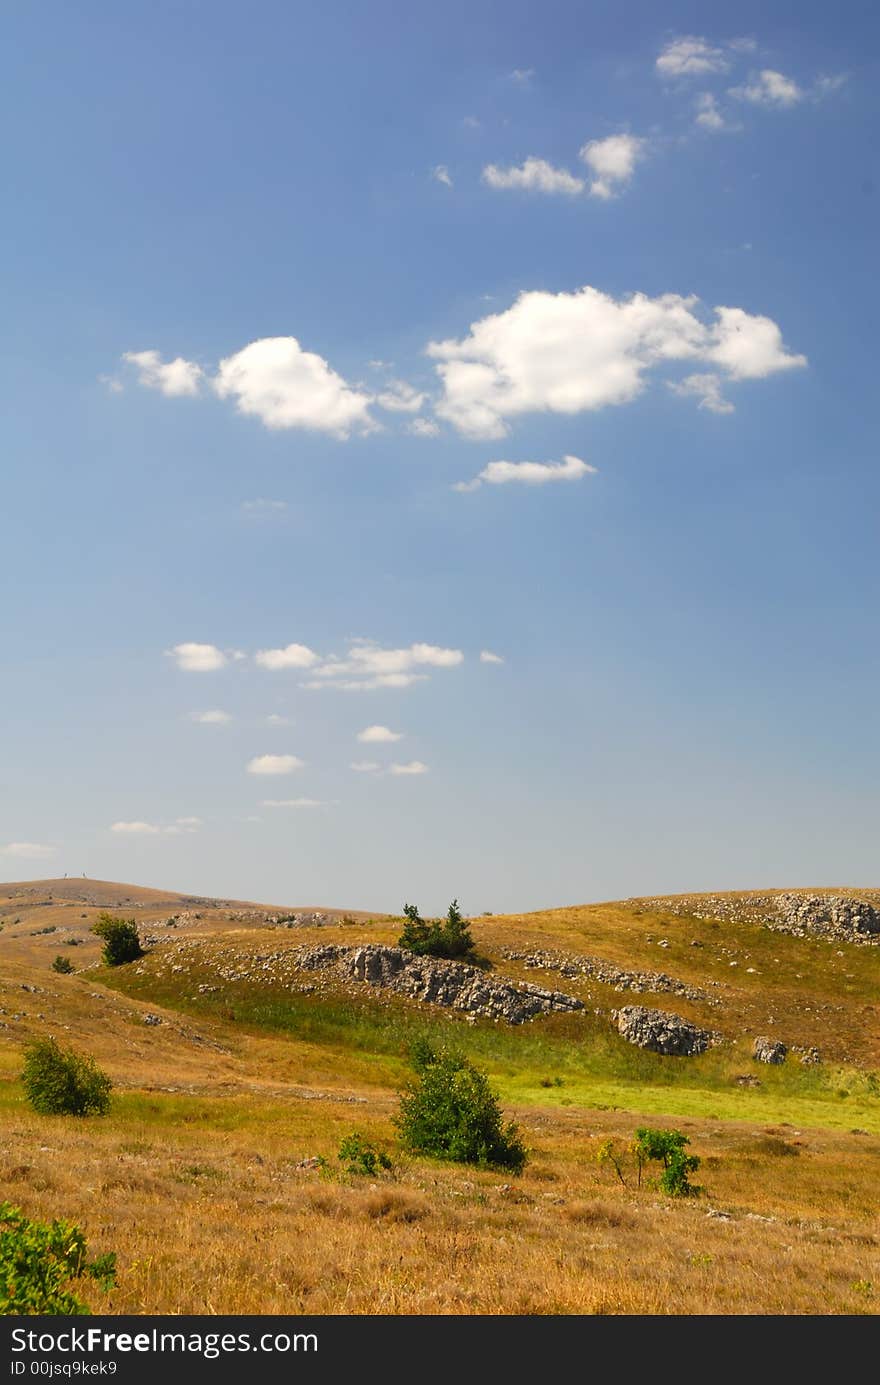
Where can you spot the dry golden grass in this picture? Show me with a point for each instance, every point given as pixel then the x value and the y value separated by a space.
pixel 194 1178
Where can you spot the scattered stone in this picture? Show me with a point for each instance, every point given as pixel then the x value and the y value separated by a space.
pixel 662 1032
pixel 314 1162
pixel 830 915
pixel 151 1019
pixel 747 1079
pixel 597 969
pixel 808 1056
pixel 438 981
pixel 769 1050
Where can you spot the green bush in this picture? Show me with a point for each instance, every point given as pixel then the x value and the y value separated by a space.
pixel 37 1262
pixel 450 937
pixel 450 1111
pixel 59 1082
pixel 667 1147
pixel 359 1156
pixel 62 964
pixel 121 940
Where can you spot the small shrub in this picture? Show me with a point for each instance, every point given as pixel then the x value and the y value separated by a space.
pixel 449 938
pixel 359 1156
pixel 62 964
pixel 450 1111
pixel 667 1147
pixel 121 940
pixel 38 1260
pixel 60 1082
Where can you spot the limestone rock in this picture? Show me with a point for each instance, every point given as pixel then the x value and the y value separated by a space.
pixel 662 1032
pixel 440 982
pixel 836 916
pixel 769 1050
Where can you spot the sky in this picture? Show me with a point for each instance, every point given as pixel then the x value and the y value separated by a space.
pixel 439 449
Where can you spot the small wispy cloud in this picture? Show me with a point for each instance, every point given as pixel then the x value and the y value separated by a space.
pixel 213 718
pixel 441 174
pixel 487 657
pixel 528 473
pixel 262 506
pixel 400 398
pixel 690 56
pixel 294 803
pixel 706 389
pixel 175 379
pixel 276 719
pixel 365 766
pixel 522 76
pixel 28 851
pixel 379 735
pixel 197 658
pixel 769 88
pixel 423 428
pixel 291 656
pixel 136 828
pixel 413 767
pixel 534 175
pixel 274 764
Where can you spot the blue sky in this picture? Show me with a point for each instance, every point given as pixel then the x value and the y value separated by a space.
pixel 346 344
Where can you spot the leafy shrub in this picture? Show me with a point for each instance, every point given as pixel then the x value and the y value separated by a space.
pixel 667 1147
pixel 121 940
pixel 59 1082
pixel 38 1260
pixel 450 1111
pixel 359 1156
pixel 62 964
pixel 450 937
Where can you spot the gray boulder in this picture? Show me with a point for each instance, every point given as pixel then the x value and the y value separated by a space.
pixel 662 1032
pixel 769 1050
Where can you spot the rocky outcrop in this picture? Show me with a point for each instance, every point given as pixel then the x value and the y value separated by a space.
pixel 829 916
pixel 439 982
pixel 597 969
pixel 662 1032
pixel 769 1050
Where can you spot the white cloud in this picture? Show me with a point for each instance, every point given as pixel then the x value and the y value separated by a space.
pixel 212 718
pixel 529 473
pixel 400 398
pixel 769 88
pixel 423 428
pixel 283 386
pixel 710 117
pixel 188 822
pixel 293 803
pixel 292 656
pixel 690 56
pixel 136 829
pixel 522 76
pixel 376 735
pixel 571 352
pixel 274 764
pixel 440 174
pixel 749 347
pixel 414 767
pixel 706 389
pixel 368 666
pixel 111 383
pixel 275 719
pixel 261 506
pixel 175 378
pixel 198 658
pixel 535 175
pixel 28 851
pixel 365 766
pixel 613 162
pixel 487 657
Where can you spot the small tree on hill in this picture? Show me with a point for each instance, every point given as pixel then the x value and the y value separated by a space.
pixel 450 1111
pixel 121 940
pixel 62 964
pixel 60 1082
pixel 450 938
pixel 667 1147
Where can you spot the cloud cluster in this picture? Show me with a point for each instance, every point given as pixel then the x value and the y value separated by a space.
pixel 690 56
pixel 706 389
pixel 367 666
pixel 527 474
pixel 769 88
pixel 139 828
pixel 176 379
pixel 571 352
